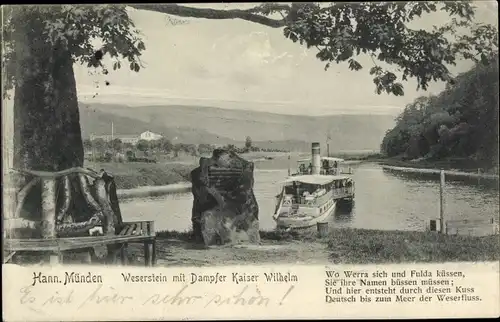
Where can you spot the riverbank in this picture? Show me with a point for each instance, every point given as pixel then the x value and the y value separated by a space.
pixel 343 246
pixel 130 175
pixel 154 191
pixel 158 176
pixel 449 173
pixel 456 165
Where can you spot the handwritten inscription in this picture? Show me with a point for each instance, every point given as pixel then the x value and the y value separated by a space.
pixel 178 298
pixel 48 291
pixel 247 295
pixel 105 296
pixel 240 299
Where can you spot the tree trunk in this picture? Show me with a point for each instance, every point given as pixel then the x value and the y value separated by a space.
pixel 47 134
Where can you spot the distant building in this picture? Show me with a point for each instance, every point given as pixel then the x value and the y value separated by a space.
pixel 149 136
pixel 132 139
pixel 129 139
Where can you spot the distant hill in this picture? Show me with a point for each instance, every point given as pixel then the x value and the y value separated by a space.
pixel 200 124
pixel 98 122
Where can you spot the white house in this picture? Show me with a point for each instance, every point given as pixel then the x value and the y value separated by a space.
pixel 149 136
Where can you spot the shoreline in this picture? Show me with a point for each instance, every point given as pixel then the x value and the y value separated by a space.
pixel 154 191
pixel 462 166
pixel 451 173
pixel 342 246
pixel 144 191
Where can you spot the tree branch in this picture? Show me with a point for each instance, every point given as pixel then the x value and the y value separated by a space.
pixel 207 13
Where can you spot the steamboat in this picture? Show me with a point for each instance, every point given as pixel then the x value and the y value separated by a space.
pixel 312 194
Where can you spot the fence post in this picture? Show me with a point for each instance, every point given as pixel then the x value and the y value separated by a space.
pixel 441 202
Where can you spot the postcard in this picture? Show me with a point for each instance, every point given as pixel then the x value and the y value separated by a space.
pixel 250 161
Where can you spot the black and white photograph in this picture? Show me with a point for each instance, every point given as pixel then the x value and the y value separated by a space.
pixel 214 134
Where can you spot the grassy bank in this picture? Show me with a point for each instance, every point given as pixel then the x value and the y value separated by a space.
pixel 343 246
pixel 138 174
pixel 457 164
pixel 359 156
pixel 373 246
pixel 129 175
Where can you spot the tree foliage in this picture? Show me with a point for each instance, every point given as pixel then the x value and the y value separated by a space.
pixel 343 31
pixel 143 145
pixel 78 29
pixel 339 31
pixel 462 121
pixel 164 144
pixel 116 145
pixel 248 143
pixel 204 148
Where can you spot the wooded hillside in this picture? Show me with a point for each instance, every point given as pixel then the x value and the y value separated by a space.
pixel 460 122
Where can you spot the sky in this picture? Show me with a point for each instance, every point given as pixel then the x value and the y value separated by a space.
pixel 242 65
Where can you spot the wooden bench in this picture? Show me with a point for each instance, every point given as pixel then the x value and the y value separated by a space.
pixel 55 245
pixel 132 232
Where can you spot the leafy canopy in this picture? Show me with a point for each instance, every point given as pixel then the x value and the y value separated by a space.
pixel 343 31
pixel 339 31
pixel 76 28
pixel 461 121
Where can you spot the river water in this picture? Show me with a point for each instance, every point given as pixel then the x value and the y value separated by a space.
pixel 384 200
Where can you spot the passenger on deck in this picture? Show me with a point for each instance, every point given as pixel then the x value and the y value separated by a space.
pixel 326 166
pixel 310 168
pixel 302 168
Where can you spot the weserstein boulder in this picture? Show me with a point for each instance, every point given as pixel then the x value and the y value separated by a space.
pixel 224 207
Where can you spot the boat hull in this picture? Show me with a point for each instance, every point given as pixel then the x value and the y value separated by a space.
pixel 283 222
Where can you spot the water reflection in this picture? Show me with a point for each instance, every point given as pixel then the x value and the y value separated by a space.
pixel 384 200
pixel 343 215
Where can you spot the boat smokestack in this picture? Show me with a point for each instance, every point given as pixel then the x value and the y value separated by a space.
pixel 316 158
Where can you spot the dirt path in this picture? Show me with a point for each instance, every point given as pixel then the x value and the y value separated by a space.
pixel 180 253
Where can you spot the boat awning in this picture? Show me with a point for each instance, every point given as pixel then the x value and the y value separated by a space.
pixel 319 179
pixel 331 159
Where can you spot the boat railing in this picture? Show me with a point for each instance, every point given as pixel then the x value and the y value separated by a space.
pixel 320 200
pixel 311 201
pixel 337 171
pixel 343 191
pixel 347 170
